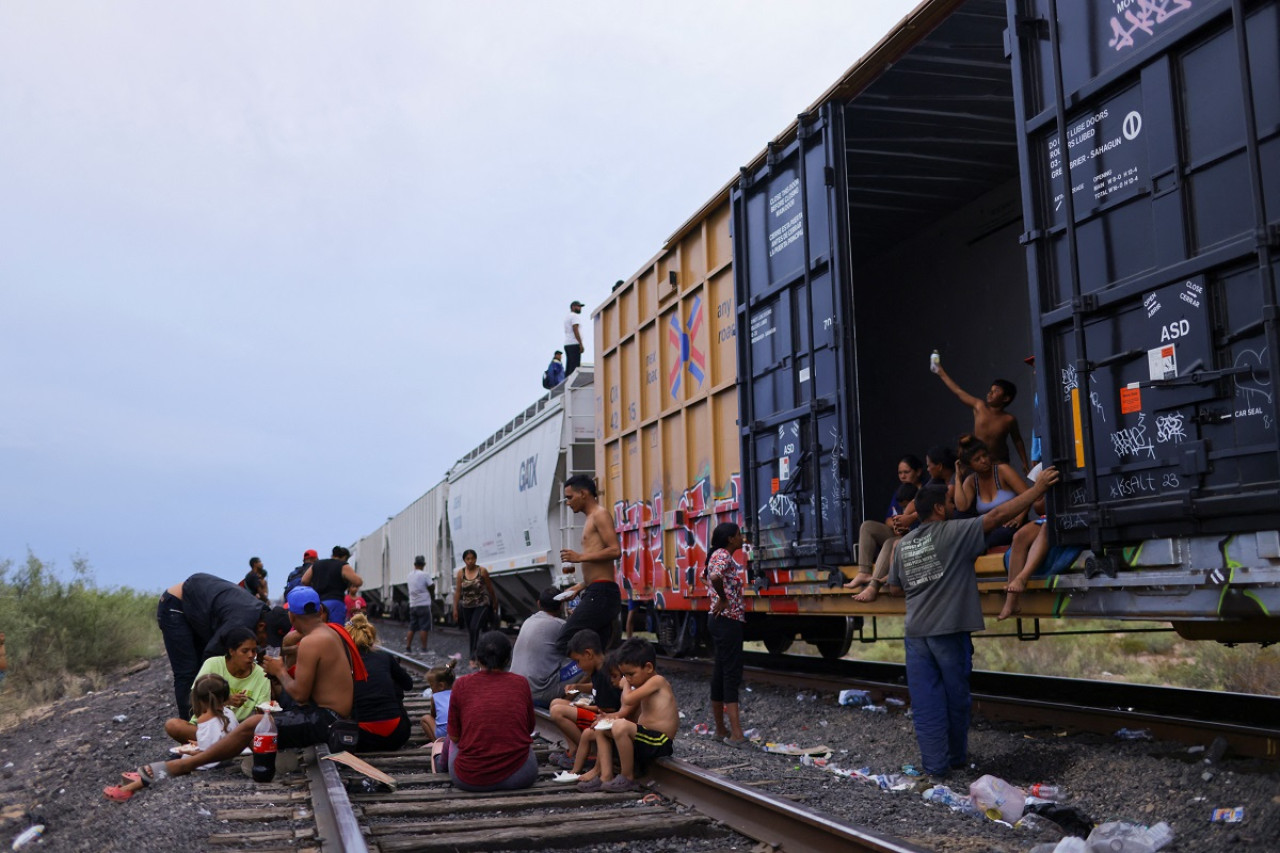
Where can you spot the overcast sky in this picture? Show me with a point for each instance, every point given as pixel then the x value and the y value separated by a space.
pixel 268 269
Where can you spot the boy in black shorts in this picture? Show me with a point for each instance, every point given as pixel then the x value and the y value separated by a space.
pixel 649 699
pixel 572 715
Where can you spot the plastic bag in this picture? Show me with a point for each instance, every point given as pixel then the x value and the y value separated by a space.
pixel 997 799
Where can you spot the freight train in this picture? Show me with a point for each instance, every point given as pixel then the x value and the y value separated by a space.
pixel 1096 184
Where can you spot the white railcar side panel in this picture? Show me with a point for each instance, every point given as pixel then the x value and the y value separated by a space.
pixel 499 506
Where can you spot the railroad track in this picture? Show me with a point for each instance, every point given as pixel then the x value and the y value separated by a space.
pixel 326 809
pixel 1249 724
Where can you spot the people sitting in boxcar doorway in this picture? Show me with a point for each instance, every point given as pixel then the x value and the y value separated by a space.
pixel 874 536
pixel 379 699
pixel 989 484
pixel 490 721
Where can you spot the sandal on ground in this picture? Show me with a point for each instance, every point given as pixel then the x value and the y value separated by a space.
pixel 590 786
pixel 739 743
pixel 149 774
pixel 117 793
pixel 619 785
pixel 130 776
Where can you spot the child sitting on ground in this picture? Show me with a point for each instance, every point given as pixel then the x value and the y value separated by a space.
pixel 214 718
pixel 440 679
pixel 640 742
pixel 587 743
pixel 571 718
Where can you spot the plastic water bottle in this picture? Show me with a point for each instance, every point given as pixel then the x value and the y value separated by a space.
pixel 1045 792
pixel 935 361
pixel 264 749
pixel 946 796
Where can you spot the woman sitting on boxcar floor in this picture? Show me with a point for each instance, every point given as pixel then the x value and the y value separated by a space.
pixel 378 703
pixel 989 485
pixel 490 720
pixel 875 538
pixel 239 668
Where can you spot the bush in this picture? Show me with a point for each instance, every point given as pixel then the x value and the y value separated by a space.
pixel 63 636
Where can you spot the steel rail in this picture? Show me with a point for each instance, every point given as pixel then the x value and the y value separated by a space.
pixel 337 829
pixel 779 823
pixel 1041 700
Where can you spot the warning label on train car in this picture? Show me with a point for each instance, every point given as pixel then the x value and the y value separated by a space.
pixel 786 217
pixel 1106 156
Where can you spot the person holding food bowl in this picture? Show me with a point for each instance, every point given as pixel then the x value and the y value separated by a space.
pixel 239 667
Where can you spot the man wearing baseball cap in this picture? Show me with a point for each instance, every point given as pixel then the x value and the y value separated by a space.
pixel 322 684
pixel 572 338
pixel 422 587
pixel 309 556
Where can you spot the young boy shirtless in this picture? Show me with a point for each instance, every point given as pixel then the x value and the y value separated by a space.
pixel 650 736
pixel 573 718
pixel 991 422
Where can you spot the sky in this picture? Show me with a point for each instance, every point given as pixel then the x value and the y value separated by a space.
pixel 268 269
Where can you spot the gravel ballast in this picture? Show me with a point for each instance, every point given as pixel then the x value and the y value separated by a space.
pixel 55 763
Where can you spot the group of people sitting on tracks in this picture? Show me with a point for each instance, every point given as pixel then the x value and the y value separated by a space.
pixel 234 656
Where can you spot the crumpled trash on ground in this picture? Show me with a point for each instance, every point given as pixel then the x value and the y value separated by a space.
pixel 1114 835
pixel 1134 734
pixel 854 697
pixel 1228 815
pixel 997 799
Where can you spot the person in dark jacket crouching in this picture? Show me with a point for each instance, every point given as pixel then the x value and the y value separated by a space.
pixel 379 700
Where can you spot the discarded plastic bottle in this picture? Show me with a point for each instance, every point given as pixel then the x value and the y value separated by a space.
pixel 935 361
pixel 264 749
pixel 31 833
pixel 1044 792
pixel 946 796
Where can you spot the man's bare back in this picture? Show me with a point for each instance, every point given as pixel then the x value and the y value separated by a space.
pixel 323 673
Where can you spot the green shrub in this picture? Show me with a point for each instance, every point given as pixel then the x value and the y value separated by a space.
pixel 63 635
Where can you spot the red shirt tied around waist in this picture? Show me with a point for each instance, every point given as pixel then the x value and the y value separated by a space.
pixel 490 720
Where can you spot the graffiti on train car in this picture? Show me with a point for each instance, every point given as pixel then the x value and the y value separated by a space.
pixel 642 566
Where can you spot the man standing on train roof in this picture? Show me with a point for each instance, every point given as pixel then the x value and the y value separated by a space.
pixel 256 580
pixel 991 423
pixel 193 616
pixel 422 589
pixel 309 556
pixel 321 685
pixel 601 600
pixel 572 338
pixel 331 579
pixel 934 565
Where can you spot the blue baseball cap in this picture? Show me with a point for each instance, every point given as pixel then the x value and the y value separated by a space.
pixel 300 597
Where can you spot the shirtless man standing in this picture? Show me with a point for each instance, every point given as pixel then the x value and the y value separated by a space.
pixel 991 422
pixel 601 600
pixel 322 685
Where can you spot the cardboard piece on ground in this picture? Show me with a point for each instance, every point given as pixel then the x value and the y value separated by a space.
pixel 361 766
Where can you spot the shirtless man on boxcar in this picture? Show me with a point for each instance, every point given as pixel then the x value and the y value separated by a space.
pixel 601 600
pixel 991 423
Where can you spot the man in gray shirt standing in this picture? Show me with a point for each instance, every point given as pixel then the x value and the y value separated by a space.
pixel 421 590
pixel 535 656
pixel 934 565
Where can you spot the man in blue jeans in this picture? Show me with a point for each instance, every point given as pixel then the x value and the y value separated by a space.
pixel 934 565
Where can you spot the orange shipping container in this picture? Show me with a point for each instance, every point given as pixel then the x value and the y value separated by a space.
pixel 667 448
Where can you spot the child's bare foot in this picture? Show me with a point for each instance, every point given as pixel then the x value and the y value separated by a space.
pixel 1011 604
pixel 860 579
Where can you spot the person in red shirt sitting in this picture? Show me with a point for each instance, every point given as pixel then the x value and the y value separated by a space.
pixel 490 721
